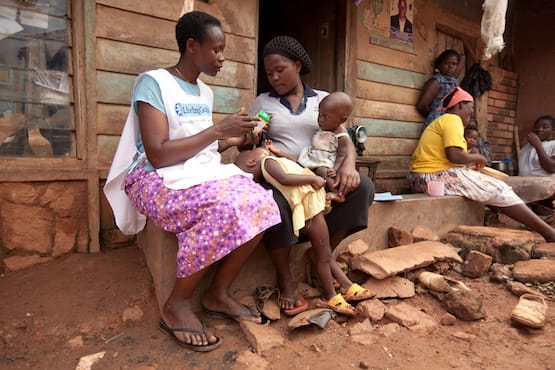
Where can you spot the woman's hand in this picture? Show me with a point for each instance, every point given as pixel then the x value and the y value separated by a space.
pixel 346 180
pixel 235 125
pixel 457 155
pixel 479 162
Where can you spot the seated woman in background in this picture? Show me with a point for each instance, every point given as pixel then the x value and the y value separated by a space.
pixel 447 67
pixel 441 155
pixel 537 158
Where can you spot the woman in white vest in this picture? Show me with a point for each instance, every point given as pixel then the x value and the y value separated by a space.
pixel 168 168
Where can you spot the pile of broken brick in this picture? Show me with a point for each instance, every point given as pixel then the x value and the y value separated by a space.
pixel 421 261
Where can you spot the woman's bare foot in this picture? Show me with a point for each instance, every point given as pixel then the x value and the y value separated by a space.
pixel 223 305
pixel 179 315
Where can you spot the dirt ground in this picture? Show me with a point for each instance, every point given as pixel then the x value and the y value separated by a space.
pixel 53 314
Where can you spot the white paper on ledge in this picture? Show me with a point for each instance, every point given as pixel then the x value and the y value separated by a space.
pixel 386 197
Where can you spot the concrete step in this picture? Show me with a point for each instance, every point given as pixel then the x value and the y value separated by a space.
pixel 440 214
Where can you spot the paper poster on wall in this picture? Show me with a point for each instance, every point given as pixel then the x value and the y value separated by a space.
pixel 390 23
pixel 401 20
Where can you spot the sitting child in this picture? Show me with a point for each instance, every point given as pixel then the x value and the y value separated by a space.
pixel 471 136
pixel 537 158
pixel 322 156
pixel 306 196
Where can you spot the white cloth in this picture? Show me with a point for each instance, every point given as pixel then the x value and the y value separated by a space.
pixel 323 151
pixel 187 115
pixel 493 26
pixel 529 162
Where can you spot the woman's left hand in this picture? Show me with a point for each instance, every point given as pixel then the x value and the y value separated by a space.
pixel 347 180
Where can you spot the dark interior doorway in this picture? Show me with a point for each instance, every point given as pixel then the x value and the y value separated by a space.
pixel 319 25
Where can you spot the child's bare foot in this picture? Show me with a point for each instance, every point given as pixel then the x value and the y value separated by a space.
pixel 335 197
pixel 290 301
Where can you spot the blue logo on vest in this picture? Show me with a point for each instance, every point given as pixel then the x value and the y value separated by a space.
pixel 192 110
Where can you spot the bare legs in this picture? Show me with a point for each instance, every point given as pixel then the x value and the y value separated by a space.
pixel 217 297
pixel 286 282
pixel 287 285
pixel 319 238
pixel 525 215
pixel 177 311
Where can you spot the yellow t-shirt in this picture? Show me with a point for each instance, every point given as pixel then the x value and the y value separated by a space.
pixel 429 155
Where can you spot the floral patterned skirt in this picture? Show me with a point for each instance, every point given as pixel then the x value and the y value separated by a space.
pixel 210 219
pixel 468 183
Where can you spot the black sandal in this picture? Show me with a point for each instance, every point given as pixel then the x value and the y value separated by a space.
pixel 263 293
pixel 171 332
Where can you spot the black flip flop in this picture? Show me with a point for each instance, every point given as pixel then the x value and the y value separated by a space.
pixel 253 313
pixel 171 332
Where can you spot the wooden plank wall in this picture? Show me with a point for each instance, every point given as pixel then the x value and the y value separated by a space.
pixel 387 84
pixel 502 102
pixel 135 36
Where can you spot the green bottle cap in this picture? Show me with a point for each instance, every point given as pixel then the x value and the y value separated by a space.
pixel 263 115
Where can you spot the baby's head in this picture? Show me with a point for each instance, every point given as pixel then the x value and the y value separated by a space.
pixel 471 136
pixel 334 110
pixel 250 160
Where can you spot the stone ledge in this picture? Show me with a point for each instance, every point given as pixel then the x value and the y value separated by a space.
pixel 441 214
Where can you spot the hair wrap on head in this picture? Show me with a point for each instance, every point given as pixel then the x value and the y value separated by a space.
pixel 456 96
pixel 290 48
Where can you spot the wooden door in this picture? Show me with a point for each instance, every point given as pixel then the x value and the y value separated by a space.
pixel 320 28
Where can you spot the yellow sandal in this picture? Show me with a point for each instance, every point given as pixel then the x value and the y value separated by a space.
pixel 358 293
pixel 337 304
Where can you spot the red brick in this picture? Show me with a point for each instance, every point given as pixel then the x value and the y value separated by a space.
pixel 476 264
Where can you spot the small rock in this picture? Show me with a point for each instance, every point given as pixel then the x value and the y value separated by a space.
pixel 464 336
pixel 441 267
pixel 262 337
pixel 390 329
pixel 314 347
pixel 420 233
pixel 518 289
pixel 447 319
pixel 411 317
pixel 534 270
pixel 76 342
pixel 544 250
pixel 465 305
pixel 476 264
pixel 363 327
pixel 500 273
pixel 364 339
pixel 363 365
pixel 357 247
pixel 250 361
pixel 134 313
pixel 397 237
pixel 373 309
pixel 86 362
